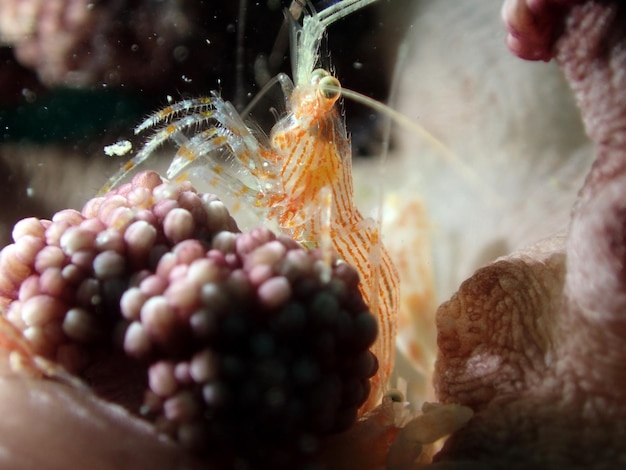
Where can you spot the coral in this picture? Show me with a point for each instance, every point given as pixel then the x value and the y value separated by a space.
pixel 534 342
pixel 58 269
pixel 536 26
pixel 513 123
pixel 81 42
pixel 153 279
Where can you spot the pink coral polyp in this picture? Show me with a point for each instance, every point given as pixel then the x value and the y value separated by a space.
pixel 231 342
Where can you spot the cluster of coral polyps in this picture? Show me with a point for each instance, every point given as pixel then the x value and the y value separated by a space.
pixel 235 343
pixel 86 42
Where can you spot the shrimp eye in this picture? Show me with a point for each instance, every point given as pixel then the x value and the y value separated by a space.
pixel 330 87
pixel 317 75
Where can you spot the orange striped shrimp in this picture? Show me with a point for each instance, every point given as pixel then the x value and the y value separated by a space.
pixel 301 175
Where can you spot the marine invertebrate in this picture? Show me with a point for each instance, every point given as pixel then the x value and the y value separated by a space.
pixel 483 103
pixel 534 26
pixel 300 178
pixel 521 287
pixel 233 342
pixel 83 43
pixel 534 342
pixel 75 261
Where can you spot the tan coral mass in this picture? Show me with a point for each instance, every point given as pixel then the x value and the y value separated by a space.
pixel 493 333
pixel 534 342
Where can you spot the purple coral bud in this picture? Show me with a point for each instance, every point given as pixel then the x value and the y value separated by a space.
pixel 245 349
pixel 140 237
pixel 274 292
pixel 30 226
pixel 109 265
pixel 80 325
pixel 268 366
pixel 63 280
pixel 136 340
pixel 49 257
pixel 178 225
pixel 51 282
pixel 161 378
pixel 27 247
pixel 41 309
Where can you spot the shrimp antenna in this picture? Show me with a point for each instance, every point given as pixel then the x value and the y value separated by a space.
pixel 391 100
pixel 306 38
pixel 280 44
pixel 448 156
pixel 257 97
pixel 240 56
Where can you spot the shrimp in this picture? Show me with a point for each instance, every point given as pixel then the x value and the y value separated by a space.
pixel 300 177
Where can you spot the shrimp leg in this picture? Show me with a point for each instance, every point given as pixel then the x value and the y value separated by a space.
pixel 224 129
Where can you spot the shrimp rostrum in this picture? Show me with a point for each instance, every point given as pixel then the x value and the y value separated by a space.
pixel 300 176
